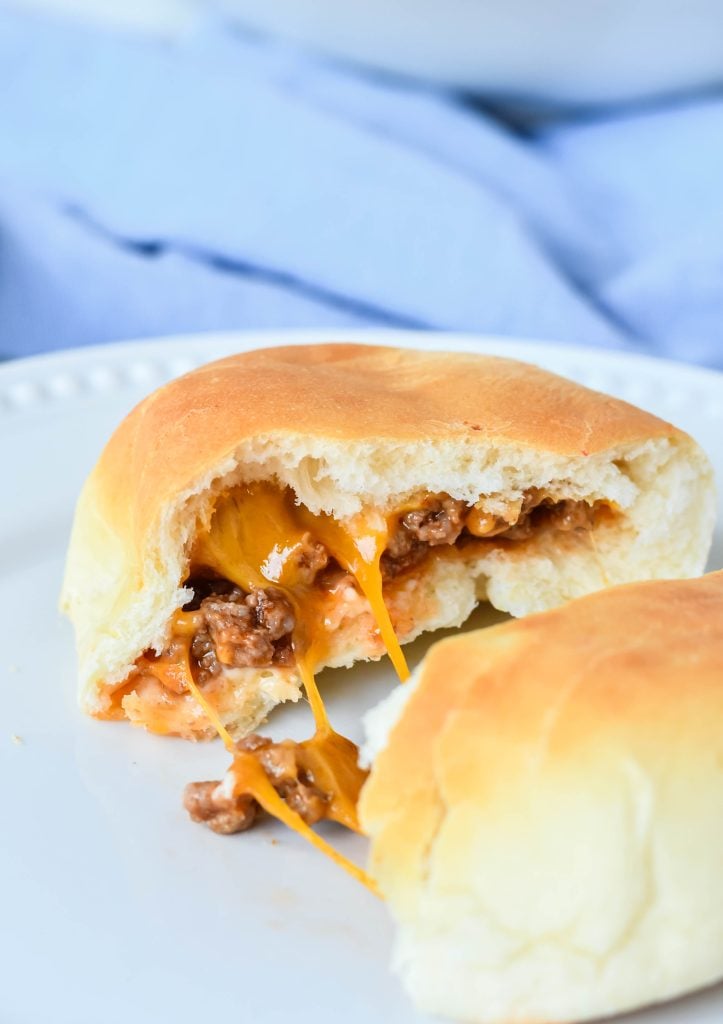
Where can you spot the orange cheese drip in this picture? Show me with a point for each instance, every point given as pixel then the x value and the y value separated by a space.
pixel 326 757
pixel 251 778
pixel 358 547
pixel 254 539
pixel 255 535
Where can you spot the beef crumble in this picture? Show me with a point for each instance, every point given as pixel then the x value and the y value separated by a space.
pixel 440 522
pixel 210 804
pixel 206 802
pixel 243 630
pixel 403 552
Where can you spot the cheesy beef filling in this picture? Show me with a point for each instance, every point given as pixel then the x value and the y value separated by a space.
pixel 269 579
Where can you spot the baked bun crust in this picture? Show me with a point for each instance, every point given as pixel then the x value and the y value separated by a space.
pixel 350 427
pixel 546 809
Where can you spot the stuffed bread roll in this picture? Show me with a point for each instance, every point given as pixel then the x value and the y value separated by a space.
pixel 546 809
pixel 292 508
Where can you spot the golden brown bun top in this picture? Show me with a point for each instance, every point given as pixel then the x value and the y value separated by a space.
pixel 356 392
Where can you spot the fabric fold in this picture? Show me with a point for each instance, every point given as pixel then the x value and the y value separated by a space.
pixel 226 181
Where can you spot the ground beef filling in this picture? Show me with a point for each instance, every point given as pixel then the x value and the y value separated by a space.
pixel 211 804
pixel 207 803
pixel 242 630
pixel 446 521
pixel 440 522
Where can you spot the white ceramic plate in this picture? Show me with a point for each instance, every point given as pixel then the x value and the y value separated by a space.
pixel 114 908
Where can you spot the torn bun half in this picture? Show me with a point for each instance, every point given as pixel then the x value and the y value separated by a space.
pixel 274 507
pixel 546 809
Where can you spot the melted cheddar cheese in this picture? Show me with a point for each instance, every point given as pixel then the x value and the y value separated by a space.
pixel 254 539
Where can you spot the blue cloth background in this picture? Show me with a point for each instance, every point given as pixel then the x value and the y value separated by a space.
pixel 226 181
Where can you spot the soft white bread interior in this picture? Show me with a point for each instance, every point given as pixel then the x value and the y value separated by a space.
pixel 349 428
pixel 546 809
